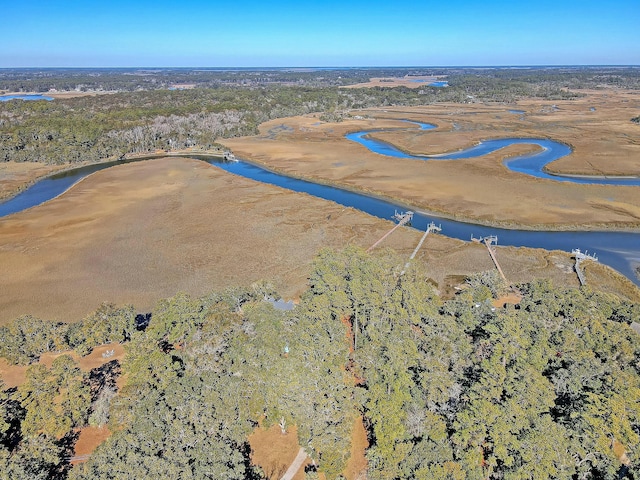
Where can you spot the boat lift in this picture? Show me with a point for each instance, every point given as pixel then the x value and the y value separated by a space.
pixel 581 257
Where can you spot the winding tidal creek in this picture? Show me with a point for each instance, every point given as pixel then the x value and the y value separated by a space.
pixel 619 250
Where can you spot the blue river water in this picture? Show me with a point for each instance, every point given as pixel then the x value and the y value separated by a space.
pixel 619 250
pixel 531 164
pixel 439 84
pixel 52 186
pixel 6 98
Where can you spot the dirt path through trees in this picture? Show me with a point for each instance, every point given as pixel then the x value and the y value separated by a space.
pixel 295 466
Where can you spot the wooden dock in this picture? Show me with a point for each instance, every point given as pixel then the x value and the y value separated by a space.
pixel 493 255
pixel 489 241
pixel 402 219
pixel 432 227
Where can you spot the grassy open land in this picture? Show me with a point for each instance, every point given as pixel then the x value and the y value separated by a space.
pixel 140 232
pixel 597 126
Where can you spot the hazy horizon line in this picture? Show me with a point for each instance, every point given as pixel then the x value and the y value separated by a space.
pixel 322 67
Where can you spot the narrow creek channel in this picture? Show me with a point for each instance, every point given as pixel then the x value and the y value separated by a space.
pixel 619 250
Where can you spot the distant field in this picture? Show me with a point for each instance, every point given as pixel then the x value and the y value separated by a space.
pixel 413 81
pixel 60 94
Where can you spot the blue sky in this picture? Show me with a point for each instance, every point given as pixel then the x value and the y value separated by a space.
pixel 249 33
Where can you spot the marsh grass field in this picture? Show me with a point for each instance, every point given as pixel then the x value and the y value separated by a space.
pixel 14 177
pixel 482 190
pixel 143 231
pixel 140 232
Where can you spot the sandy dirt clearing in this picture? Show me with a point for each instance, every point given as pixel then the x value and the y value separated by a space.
pixel 15 375
pixel 274 452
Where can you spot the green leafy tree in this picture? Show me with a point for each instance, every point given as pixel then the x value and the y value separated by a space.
pixel 55 401
pixel 36 458
pixel 107 324
pixel 27 337
pixel 173 320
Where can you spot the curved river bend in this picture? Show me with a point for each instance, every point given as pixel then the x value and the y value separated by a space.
pixel 620 250
pixel 531 164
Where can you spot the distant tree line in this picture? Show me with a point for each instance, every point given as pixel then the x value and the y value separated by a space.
pixel 136 79
pixel 94 128
pixel 548 388
pixel 150 117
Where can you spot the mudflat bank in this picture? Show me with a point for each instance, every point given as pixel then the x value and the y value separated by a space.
pixel 15 177
pixel 413 81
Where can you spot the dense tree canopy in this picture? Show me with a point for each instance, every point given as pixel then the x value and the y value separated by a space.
pixel 26 338
pixel 547 388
